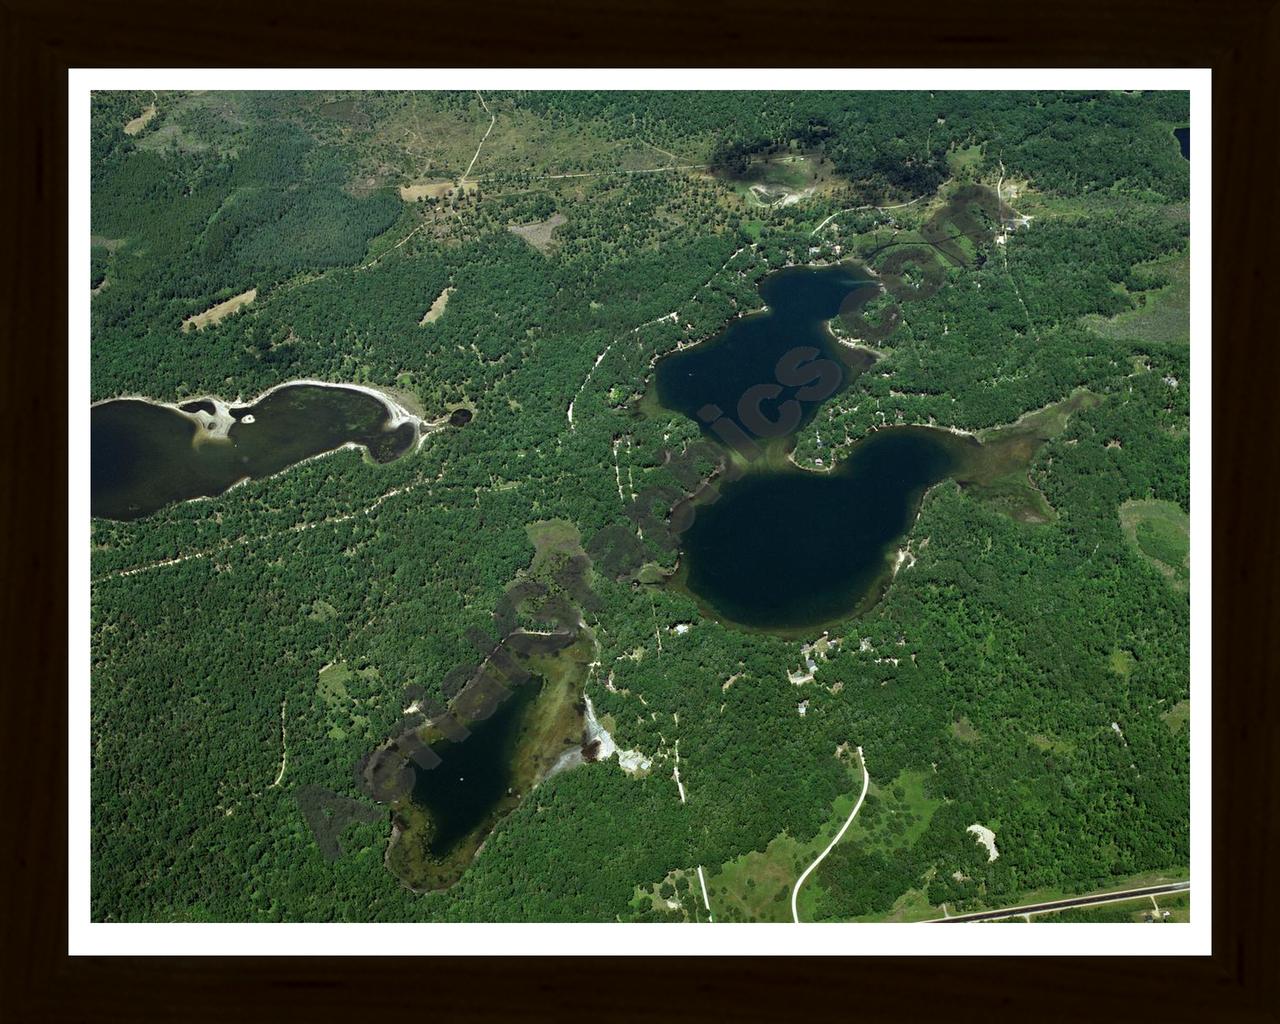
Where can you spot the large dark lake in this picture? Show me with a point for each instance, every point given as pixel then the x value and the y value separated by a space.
pixel 783 548
pixel 1183 136
pixel 786 549
pixel 145 456
pixel 737 371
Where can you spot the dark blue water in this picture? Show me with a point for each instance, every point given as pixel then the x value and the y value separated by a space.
pixel 771 371
pixel 1183 136
pixel 786 549
pixel 473 780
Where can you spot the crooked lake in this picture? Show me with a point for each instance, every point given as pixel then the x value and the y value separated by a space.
pixel 783 548
pixel 775 367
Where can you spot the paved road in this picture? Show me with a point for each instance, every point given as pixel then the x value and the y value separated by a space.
pixel 1075 901
pixel 866 782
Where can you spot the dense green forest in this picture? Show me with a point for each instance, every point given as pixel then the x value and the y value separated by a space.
pixel 1031 676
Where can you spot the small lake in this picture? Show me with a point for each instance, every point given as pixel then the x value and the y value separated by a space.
pixel 1183 135
pixel 789 549
pixel 475 781
pixel 145 455
pixel 738 370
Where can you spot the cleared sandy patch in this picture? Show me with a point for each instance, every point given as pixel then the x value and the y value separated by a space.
pixel 437 308
pixel 425 190
pixel 219 312
pixel 987 838
pixel 538 234
pixel 141 121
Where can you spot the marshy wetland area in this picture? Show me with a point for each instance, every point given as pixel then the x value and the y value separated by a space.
pixel 508 746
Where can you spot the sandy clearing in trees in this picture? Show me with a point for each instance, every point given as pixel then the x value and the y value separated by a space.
pixel 141 121
pixel 988 838
pixel 437 308
pixel 218 313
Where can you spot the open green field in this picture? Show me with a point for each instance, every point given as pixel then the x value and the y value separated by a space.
pixel 1160 532
pixel 1164 312
pixel 964 159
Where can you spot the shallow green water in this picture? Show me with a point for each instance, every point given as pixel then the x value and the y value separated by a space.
pixel 144 456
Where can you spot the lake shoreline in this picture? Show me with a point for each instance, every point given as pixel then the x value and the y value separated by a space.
pixel 220 421
pixel 226 439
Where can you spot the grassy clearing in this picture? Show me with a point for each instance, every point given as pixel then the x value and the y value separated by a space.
pixel 216 314
pixel 1179 906
pixel 964 159
pixel 425 190
pixel 539 233
pixel 422 137
pixel 678 897
pixel 964 731
pixel 1043 741
pixel 437 308
pixel 901 813
pixel 912 905
pixel 1163 313
pixel 198 122
pixel 784 179
pixel 1121 662
pixel 894 817
pixel 1178 717
pixel 334 686
pixel 1160 532
pixel 757 886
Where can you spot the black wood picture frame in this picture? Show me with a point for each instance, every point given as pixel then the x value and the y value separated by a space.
pixel 39 41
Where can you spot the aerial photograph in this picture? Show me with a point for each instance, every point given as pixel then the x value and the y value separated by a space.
pixel 629 506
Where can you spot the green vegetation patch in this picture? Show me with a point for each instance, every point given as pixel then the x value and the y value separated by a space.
pixel 1160 532
pixel 998 472
pixel 757 886
pixel 1162 305
pixel 1144 909
pixel 964 160
pixel 678 897
pixel 1121 662
pixel 1178 717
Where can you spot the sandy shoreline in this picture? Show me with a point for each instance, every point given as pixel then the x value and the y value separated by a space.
pixel 218 424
